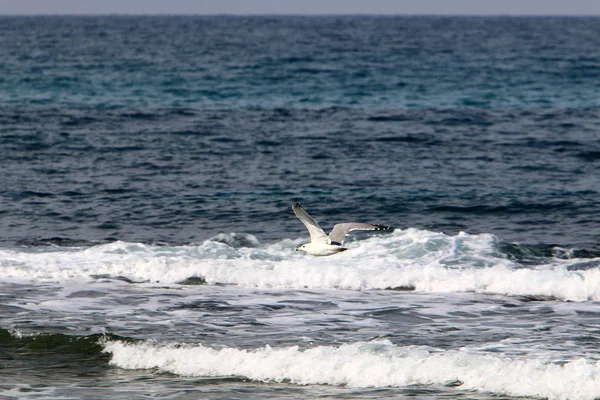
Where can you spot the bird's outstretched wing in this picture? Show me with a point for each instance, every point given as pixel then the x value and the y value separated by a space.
pixel 317 235
pixel 339 231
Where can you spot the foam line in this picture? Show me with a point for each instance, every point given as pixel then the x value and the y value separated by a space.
pixel 421 260
pixel 369 364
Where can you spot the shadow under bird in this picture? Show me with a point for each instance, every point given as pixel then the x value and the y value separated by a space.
pixel 323 245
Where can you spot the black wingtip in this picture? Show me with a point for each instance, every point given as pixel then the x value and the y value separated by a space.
pixel 296 205
pixel 383 228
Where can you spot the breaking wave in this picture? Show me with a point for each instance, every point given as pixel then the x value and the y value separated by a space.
pixel 369 364
pixel 408 259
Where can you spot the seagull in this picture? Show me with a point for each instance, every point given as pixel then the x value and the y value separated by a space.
pixel 323 245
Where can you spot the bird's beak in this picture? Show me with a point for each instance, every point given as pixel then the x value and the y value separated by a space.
pixel 297 249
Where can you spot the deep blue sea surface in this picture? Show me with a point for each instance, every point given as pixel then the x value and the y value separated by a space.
pixel 148 165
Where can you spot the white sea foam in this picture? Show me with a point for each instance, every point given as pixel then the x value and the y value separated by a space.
pixel 422 260
pixel 370 364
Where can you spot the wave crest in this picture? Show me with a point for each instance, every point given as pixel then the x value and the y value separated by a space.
pixel 409 259
pixel 369 364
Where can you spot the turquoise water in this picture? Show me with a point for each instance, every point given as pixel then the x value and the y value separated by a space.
pixel 301 62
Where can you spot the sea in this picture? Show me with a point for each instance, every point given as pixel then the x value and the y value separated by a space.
pixel 148 165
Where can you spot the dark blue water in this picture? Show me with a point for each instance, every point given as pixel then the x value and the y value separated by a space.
pixel 171 130
pixel 174 128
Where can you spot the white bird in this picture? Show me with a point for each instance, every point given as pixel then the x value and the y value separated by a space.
pixel 323 245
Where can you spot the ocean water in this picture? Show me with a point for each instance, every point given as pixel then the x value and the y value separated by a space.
pixel 149 164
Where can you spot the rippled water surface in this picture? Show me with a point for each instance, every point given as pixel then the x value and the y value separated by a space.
pixel 147 244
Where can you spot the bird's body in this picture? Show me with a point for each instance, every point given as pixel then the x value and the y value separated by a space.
pixel 321 249
pixel 323 245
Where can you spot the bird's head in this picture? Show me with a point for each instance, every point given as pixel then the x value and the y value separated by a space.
pixel 301 248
